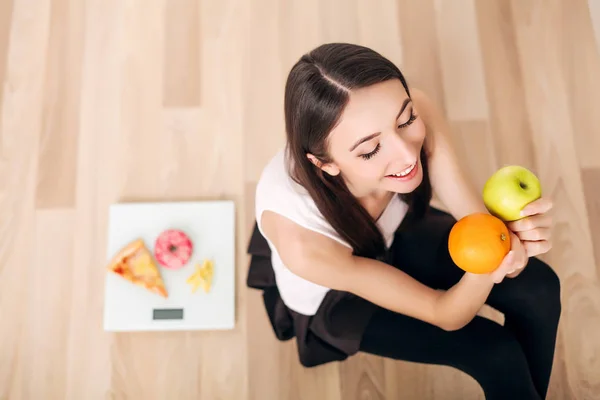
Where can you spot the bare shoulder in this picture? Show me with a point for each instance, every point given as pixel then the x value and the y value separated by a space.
pixel 303 251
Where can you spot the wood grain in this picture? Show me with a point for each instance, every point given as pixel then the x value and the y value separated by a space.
pixel 21 109
pixel 60 119
pixel 590 179
pixel 5 26
pixel 580 62
pixel 557 165
pixel 339 21
pixel 105 101
pixel 421 62
pixel 44 338
pixel 479 165
pixel 263 104
pixel 363 377
pixel 378 29
pixel 509 120
pixel 594 13
pixel 182 54
pixel 460 55
pixel 99 181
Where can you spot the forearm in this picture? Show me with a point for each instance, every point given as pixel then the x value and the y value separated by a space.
pixel 395 290
pixel 458 306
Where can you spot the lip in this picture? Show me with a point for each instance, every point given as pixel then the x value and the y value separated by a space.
pixel 408 177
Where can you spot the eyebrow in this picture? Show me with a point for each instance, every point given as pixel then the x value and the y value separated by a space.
pixel 371 136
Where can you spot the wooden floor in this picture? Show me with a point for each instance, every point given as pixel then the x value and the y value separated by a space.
pixel 115 100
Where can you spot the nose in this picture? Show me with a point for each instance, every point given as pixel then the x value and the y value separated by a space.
pixel 401 148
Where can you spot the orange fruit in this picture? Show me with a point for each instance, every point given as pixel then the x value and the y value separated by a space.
pixel 478 242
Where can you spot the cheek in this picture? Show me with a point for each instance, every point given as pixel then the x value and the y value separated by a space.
pixel 364 169
pixel 418 132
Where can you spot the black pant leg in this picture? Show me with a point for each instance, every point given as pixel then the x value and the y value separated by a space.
pixel 530 302
pixel 483 349
pixel 532 306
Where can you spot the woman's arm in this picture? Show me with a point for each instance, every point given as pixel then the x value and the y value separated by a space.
pixel 326 262
pixel 448 180
pixel 457 193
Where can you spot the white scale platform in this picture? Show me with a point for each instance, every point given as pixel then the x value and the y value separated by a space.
pixel 211 228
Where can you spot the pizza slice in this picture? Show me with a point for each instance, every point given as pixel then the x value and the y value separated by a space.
pixel 134 263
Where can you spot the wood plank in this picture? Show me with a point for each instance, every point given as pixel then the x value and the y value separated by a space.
pixel 590 178
pixel 60 129
pixel 475 149
pixel 462 65
pixel 99 178
pixel 268 381
pixel 300 31
pixel 44 339
pixel 379 29
pixel 581 66
pixel 182 54
pixel 263 93
pixel 142 103
pixel 363 377
pixel 509 121
pixel 21 109
pixel 557 164
pixel 421 62
pixel 594 10
pixel 339 21
pixel 6 8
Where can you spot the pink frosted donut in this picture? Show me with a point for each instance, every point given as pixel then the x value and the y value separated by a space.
pixel 173 249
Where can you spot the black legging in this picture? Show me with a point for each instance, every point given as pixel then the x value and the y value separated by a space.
pixel 513 361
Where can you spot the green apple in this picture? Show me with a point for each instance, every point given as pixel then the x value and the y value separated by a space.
pixel 509 190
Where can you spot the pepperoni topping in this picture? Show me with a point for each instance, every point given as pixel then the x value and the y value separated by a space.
pixel 173 249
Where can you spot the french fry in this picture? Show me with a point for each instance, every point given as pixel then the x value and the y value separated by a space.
pixel 202 276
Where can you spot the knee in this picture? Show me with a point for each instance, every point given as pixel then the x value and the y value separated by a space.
pixel 544 292
pixel 504 370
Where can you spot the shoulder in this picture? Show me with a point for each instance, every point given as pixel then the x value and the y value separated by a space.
pixel 299 248
pixel 276 188
pixel 278 193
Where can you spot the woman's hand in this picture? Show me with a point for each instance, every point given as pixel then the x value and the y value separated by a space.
pixel 513 263
pixel 534 229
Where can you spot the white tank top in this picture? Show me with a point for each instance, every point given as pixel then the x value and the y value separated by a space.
pixel 278 192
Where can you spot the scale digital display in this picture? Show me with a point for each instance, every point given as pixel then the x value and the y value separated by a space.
pixel 167 313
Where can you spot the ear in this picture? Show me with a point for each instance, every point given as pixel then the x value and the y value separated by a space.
pixel 330 168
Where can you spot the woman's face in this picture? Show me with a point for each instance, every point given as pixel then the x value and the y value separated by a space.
pixel 377 143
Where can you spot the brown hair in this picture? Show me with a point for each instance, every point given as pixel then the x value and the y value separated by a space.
pixel 316 92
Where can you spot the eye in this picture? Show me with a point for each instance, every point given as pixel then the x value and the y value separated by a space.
pixel 412 119
pixel 371 154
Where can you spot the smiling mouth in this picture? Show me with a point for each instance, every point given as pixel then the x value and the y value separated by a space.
pixel 404 172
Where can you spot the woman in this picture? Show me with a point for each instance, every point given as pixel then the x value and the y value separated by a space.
pixel 351 257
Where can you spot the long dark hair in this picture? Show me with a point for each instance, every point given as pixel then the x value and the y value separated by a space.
pixel 316 92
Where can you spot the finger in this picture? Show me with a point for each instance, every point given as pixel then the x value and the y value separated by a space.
pixel 529 223
pixel 535 234
pixel 536 248
pixel 499 273
pixel 539 206
pixel 515 273
pixel 507 264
